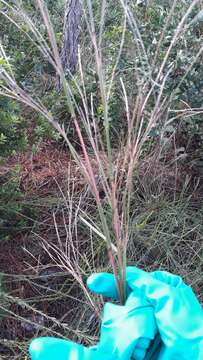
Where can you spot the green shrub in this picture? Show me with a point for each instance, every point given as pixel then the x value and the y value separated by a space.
pixel 13 133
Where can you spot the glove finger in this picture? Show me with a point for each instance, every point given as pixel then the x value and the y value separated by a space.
pixel 103 284
pixel 142 281
pixel 169 279
pixel 48 348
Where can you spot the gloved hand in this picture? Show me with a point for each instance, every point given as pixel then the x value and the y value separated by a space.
pixel 178 314
pixel 126 330
pixel 126 333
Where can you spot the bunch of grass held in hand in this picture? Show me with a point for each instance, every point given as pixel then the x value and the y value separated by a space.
pixel 149 107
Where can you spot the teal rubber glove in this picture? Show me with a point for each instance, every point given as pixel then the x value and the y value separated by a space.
pixel 126 333
pixel 178 314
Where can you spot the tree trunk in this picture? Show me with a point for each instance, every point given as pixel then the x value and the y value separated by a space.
pixel 71 30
